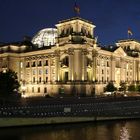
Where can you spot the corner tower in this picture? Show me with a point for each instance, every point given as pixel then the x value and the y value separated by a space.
pixel 75 30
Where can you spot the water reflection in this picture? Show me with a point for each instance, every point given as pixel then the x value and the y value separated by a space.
pixel 124 134
pixel 111 130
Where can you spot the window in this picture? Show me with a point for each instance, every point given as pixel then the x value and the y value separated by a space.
pixel 107 79
pixel 34 72
pixel 40 79
pixel 127 73
pixel 102 71
pixel 45 90
pixel 33 79
pixel 27 64
pixel 46 63
pixel 32 89
pixel 46 71
pixel 118 64
pixel 38 89
pixel 40 63
pixel 65 61
pixel 107 64
pixel 33 64
pixel 46 79
pixel 40 72
pixel 102 79
pixel 66 76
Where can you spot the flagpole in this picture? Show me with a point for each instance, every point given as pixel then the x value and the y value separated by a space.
pixel 76 9
pixel 128 35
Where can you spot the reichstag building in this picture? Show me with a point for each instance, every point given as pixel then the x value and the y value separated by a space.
pixel 68 60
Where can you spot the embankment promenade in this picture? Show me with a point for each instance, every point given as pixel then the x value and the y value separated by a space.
pixel 68 110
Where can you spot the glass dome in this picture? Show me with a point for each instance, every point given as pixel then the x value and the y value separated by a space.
pixel 45 37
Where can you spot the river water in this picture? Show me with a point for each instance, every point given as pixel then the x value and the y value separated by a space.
pixel 105 130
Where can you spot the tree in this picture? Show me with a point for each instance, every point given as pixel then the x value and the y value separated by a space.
pixel 132 88
pixel 122 86
pixel 8 83
pixel 138 88
pixel 110 87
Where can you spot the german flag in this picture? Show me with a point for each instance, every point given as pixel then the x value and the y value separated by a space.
pixel 76 8
pixel 129 32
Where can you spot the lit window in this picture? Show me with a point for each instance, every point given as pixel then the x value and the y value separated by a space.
pixel 21 64
pixel 46 71
pixel 46 63
pixel 34 72
pixel 40 63
pixel 40 72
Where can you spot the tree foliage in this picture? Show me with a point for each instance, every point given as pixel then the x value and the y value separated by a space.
pixel 8 83
pixel 110 87
pixel 132 88
pixel 138 88
pixel 122 86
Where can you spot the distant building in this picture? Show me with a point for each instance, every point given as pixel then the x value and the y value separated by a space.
pixel 69 60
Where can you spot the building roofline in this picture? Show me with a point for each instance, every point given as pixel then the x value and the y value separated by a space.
pixel 128 40
pixel 75 18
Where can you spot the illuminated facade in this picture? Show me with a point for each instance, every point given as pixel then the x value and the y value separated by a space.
pixel 74 64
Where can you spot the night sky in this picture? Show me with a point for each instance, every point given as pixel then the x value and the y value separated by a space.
pixel 111 17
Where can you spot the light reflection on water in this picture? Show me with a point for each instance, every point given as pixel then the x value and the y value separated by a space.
pixel 106 130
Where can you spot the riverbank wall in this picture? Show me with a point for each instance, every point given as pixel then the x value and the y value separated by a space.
pixel 15 122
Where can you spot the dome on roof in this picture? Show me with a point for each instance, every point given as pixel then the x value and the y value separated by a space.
pixel 45 37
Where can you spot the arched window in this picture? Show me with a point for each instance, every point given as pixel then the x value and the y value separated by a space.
pixel 65 61
pixel 88 62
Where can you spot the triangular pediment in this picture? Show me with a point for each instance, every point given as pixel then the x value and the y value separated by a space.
pixel 120 52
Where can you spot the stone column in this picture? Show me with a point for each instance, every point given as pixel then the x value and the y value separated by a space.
pixel 77 65
pixel 84 62
pixel 49 72
pixel 112 68
pixel 134 70
pixel 57 67
pixel 122 78
pixel 94 65
pixel 138 74
pixel 71 64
